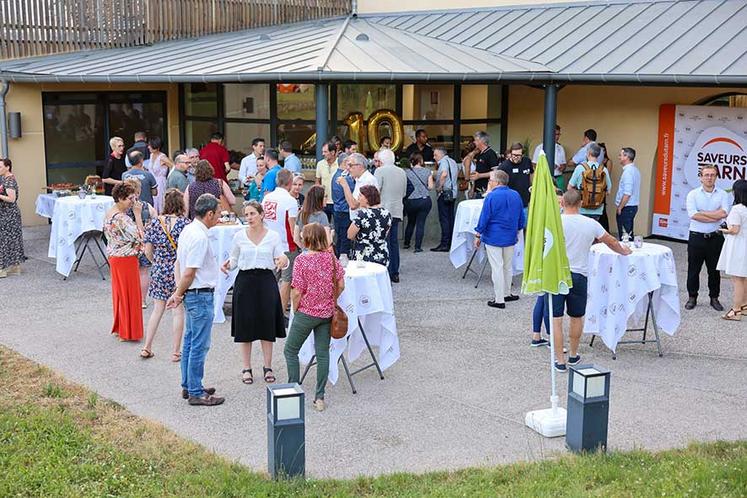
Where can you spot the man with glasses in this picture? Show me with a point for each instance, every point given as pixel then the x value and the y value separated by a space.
pixel 707 207
pixel 114 165
pixel 178 176
pixel 560 161
pixel 519 169
pixel 485 160
pixel 193 155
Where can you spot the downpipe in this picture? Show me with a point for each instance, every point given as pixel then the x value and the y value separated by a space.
pixel 4 88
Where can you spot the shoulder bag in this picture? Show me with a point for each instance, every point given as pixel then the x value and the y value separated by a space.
pixel 448 195
pixel 339 326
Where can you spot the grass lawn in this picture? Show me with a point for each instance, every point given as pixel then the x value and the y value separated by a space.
pixel 59 439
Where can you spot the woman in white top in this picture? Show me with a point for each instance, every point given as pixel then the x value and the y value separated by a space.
pixel 733 259
pixel 257 311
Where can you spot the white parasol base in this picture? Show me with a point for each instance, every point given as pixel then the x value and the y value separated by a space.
pixel 549 422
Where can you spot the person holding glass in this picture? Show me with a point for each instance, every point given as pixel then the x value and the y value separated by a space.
pixel 257 310
pixel 370 228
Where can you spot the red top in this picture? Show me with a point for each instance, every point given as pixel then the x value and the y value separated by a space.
pixel 217 156
pixel 312 277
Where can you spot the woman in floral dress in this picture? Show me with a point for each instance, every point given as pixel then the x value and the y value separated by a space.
pixel 160 249
pixel 370 229
pixel 124 243
pixel 159 165
pixel 11 236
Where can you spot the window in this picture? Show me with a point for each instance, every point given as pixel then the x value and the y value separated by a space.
pixel 197 133
pixel 298 134
pixel 438 135
pixel 726 100
pixel 427 102
pixel 296 101
pixel 364 99
pixel 247 101
pixel 201 99
pixel 239 136
pixel 481 102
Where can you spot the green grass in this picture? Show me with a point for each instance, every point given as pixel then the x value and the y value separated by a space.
pixel 57 439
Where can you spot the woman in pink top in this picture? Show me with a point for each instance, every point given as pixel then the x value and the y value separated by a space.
pixel 159 165
pixel 313 296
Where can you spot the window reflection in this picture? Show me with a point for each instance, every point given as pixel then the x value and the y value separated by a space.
pixel 296 101
pixel 201 99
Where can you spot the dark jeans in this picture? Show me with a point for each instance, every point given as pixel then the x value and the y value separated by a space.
pixel 417 211
pixel 541 313
pixel 699 249
pixel 342 223
pixel 198 309
pixel 446 219
pixel 625 220
pixel 392 243
pixel 329 210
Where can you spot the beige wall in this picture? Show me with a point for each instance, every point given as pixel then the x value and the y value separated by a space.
pixel 622 116
pixel 378 6
pixel 27 152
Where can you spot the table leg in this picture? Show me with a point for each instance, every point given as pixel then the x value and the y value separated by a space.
pixel 373 356
pixel 342 359
pixel 649 313
pixel 482 272
pixel 312 362
pixel 653 322
pixel 469 264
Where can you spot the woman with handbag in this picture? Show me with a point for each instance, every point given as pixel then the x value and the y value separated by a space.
pixel 318 280
pixel 257 309
pixel 205 183
pixel 418 204
pixel 161 236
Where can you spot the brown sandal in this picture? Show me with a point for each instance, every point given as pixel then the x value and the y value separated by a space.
pixel 145 354
pixel 247 379
pixel 733 315
pixel 269 376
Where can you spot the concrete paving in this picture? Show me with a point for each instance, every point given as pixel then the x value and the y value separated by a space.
pixel 456 398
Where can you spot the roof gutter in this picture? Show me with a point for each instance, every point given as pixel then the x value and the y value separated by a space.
pixel 522 77
pixel 4 88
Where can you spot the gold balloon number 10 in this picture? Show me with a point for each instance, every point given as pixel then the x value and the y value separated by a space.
pixel 356 128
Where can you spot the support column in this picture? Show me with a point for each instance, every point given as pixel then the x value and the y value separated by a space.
pixel 4 87
pixel 548 134
pixel 322 117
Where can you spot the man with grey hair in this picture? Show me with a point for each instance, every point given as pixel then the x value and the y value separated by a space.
pixel 446 187
pixel 485 159
pixel 149 186
pixel 501 219
pixel 193 155
pixel 178 176
pixel 197 274
pixel 593 181
pixel 393 188
pixel 357 165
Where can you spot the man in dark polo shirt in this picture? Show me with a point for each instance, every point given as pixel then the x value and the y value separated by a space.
pixel 519 170
pixel 217 155
pixel 420 146
pixel 485 160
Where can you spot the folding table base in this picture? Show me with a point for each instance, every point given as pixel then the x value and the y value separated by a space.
pixel 469 268
pixel 83 244
pixel 649 313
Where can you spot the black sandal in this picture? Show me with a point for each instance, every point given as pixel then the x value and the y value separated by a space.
pixel 247 379
pixel 269 376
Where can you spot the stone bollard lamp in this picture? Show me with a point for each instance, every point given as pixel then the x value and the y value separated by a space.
pixel 286 437
pixel 588 408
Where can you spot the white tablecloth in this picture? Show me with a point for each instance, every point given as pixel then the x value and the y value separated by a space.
pixel 45 205
pixel 367 297
pixel 462 239
pixel 618 290
pixel 73 217
pixel 221 237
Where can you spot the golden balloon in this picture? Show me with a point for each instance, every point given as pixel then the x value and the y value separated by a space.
pixel 389 117
pixel 354 122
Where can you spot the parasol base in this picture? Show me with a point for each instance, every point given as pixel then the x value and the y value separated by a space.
pixel 549 422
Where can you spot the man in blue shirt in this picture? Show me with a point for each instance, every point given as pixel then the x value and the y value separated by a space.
pixel 628 193
pixel 341 210
pixel 291 162
pixel 501 218
pixel 268 182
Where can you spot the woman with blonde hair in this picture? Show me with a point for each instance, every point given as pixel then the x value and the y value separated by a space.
pixel 161 240
pixel 205 183
pixel 124 243
pixel 318 280
pixel 257 310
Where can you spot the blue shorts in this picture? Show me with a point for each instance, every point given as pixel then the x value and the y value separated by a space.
pixel 574 302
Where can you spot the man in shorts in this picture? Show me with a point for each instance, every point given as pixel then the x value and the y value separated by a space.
pixel 580 232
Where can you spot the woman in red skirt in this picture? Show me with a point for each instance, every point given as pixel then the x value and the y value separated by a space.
pixel 125 241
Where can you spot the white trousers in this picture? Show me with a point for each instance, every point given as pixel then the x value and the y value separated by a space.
pixel 501 270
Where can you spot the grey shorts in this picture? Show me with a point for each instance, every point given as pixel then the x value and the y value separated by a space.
pixel 287 274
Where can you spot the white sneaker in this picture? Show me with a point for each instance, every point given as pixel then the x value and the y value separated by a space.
pixel 319 405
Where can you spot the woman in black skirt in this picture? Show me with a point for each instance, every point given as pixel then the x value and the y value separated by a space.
pixel 257 312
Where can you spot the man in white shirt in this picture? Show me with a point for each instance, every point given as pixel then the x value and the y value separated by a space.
pixel 357 164
pixel 197 275
pixel 580 233
pixel 707 207
pixel 248 168
pixel 590 137
pixel 325 170
pixel 393 182
pixel 628 192
pixel 281 211
pixel 560 161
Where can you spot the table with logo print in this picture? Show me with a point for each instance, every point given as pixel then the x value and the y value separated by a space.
pixel 635 288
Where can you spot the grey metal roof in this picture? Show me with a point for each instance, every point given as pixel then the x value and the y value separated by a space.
pixel 638 41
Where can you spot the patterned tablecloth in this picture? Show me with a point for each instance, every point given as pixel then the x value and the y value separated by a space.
pixel 367 297
pixel 618 290
pixel 72 218
pixel 221 237
pixel 45 205
pixel 462 239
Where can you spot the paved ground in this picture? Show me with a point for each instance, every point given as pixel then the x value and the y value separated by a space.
pixel 456 398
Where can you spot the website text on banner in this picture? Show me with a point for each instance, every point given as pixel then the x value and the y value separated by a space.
pixel 690 137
